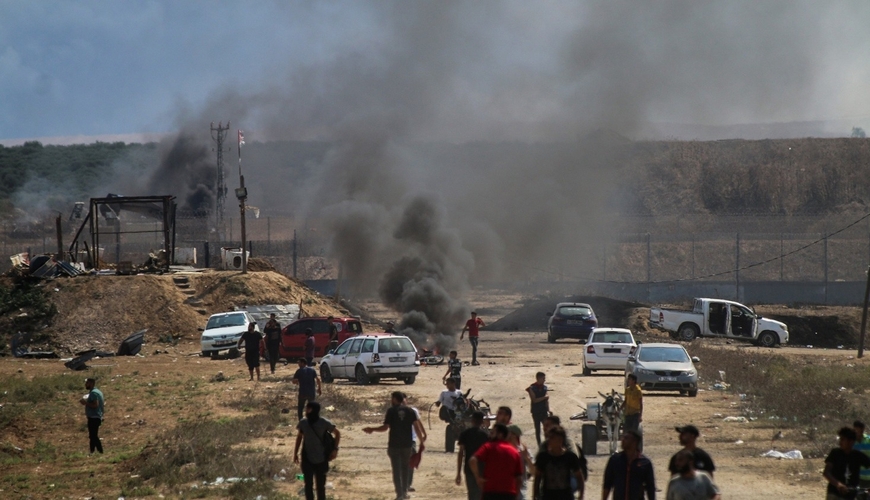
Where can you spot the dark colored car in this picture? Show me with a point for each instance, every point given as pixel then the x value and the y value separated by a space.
pixel 571 320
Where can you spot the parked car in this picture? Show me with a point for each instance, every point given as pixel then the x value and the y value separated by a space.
pixel 369 358
pixel 664 367
pixel 570 320
pixel 719 318
pixel 293 335
pixel 608 349
pixel 223 330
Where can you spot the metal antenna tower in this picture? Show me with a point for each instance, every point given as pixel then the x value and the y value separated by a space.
pixel 219 133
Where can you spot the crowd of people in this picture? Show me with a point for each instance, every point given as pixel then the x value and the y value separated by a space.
pixel 493 461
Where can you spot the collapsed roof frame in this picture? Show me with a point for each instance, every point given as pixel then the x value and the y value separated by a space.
pixel 110 207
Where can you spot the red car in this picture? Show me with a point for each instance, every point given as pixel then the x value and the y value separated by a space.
pixel 293 335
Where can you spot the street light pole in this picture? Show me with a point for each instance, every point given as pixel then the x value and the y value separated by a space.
pixel 242 195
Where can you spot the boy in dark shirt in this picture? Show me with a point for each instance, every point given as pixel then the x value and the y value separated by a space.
pixel 554 468
pixel 308 381
pixel 252 339
pixel 843 466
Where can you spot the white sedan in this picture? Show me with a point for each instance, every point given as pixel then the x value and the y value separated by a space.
pixel 608 349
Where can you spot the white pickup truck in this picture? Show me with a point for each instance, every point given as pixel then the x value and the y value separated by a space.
pixel 719 318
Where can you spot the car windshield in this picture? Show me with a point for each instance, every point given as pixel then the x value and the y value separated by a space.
pixel 226 320
pixel 397 344
pixel 614 337
pixel 668 354
pixel 575 311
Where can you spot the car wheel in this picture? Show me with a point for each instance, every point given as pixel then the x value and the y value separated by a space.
pixel 687 332
pixel 374 380
pixel 205 354
pixel 767 339
pixel 693 394
pixel 326 374
pixel 362 378
pixel 587 371
pixel 550 338
pixel 410 380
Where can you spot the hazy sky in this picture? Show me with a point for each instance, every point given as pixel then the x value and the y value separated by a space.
pixel 492 68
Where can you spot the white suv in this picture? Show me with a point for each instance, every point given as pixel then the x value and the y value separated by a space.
pixel 608 349
pixel 369 358
pixel 223 331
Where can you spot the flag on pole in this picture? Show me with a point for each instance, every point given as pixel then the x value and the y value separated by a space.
pixel 241 138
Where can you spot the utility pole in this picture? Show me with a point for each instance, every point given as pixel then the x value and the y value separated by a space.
pixel 242 195
pixel 218 134
pixel 864 317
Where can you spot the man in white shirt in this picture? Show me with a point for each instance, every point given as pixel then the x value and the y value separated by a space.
pixel 447 402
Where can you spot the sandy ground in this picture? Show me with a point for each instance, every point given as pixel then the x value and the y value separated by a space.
pixel 509 362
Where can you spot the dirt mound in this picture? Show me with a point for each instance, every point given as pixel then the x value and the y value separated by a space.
pixel 533 314
pixel 818 326
pixel 98 312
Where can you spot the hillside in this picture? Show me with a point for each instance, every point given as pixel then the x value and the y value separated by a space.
pixel 98 312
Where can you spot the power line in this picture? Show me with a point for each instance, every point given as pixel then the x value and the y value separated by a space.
pixel 696 278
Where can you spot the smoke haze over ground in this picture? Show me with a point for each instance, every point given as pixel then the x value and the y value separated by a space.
pixel 415 221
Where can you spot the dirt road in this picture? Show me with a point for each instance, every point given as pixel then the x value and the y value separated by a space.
pixel 509 362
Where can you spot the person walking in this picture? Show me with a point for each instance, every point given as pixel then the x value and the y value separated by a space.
pixel 554 421
pixel 252 339
pixel 702 462
pixel 515 435
pixel 454 369
pixel 399 420
pixel 473 327
pixel 414 440
pixel 500 478
pixel 843 466
pixel 273 340
pixel 633 404
pixel 470 440
pixel 690 484
pixel 314 463
pixel 629 474
pixel 309 346
pixel 557 469
pixel 540 403
pixel 447 412
pixel 309 385
pixel 93 403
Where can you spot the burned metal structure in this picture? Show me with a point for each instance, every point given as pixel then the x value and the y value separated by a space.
pixel 152 215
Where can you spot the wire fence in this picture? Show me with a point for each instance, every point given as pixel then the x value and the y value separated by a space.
pixel 837 249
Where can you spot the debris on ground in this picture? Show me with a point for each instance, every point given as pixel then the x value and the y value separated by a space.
pixel 790 455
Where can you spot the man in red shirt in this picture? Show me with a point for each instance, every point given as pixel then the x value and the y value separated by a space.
pixel 502 467
pixel 472 326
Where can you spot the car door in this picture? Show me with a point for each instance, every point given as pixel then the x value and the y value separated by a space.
pixel 351 358
pixel 336 363
pixel 293 339
pixel 743 321
pixel 718 324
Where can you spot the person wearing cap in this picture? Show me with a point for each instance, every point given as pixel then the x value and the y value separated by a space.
pixel 470 440
pixel 273 340
pixel 557 469
pixel 690 484
pixel 93 403
pixel 514 435
pixel 473 326
pixel 629 474
pixel 688 436
pixel 500 478
pixel 390 328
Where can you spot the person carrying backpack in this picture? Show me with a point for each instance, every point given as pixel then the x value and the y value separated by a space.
pixel 319 439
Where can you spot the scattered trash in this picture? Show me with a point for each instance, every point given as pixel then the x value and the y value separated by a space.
pixel 843 389
pixel 742 397
pixel 219 377
pixel 722 375
pixel 330 408
pixel 132 344
pixel 734 419
pixel 790 455
pixel 300 477
pixel 739 441
pixel 839 347
pixel 719 386
pixel 78 362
